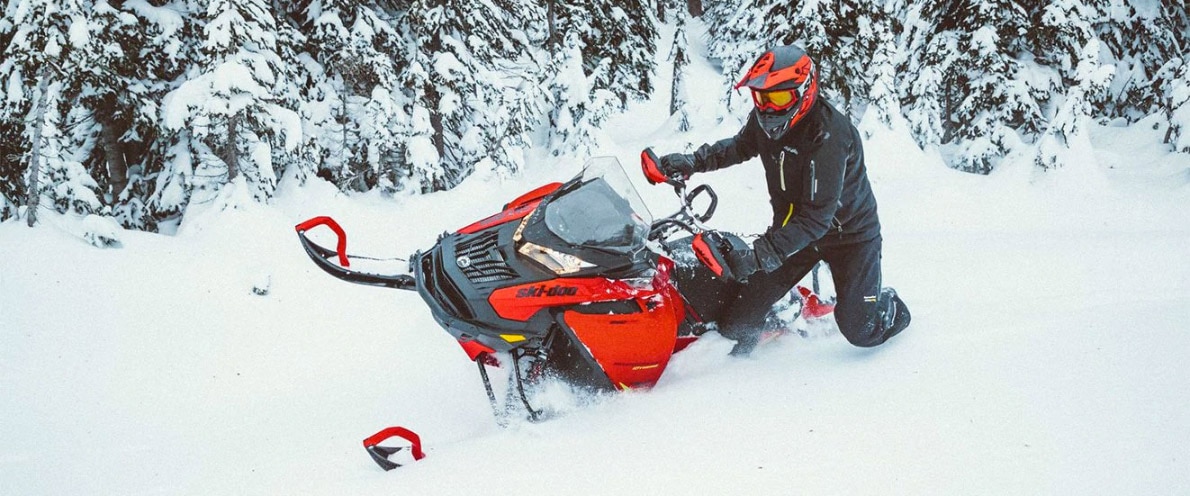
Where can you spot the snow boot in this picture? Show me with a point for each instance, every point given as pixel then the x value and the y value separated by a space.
pixel 894 315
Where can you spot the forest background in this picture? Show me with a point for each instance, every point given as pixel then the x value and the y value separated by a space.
pixel 135 110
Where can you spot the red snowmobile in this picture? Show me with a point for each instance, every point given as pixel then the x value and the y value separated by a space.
pixel 572 280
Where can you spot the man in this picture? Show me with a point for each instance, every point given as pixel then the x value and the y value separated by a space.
pixel 823 206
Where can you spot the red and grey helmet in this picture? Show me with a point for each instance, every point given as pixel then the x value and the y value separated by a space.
pixel 784 84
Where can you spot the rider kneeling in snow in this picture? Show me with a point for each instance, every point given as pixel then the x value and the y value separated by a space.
pixel 823 206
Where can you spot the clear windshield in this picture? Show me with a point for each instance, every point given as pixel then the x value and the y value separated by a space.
pixel 604 212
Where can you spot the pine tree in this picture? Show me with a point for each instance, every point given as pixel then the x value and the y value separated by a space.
pixel 678 99
pixel 39 65
pixel 518 106
pixel 618 43
pixel 12 142
pixel 358 115
pixel 1142 39
pixel 575 118
pixel 119 78
pixel 158 178
pixel 453 72
pixel 963 63
pixel 226 120
pixel 1178 111
pixel 629 36
pixel 733 40
pixel 1063 38
pixel 877 38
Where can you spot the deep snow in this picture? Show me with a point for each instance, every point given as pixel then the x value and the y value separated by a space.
pixel 1047 353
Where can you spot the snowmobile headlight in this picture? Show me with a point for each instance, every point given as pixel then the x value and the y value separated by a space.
pixel 560 263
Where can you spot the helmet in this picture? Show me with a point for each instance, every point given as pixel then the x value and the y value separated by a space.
pixel 784 84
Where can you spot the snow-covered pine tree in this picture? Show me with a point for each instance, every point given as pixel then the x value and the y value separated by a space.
pixel 1151 43
pixel 358 117
pixel 1178 112
pixel 679 55
pixel 625 47
pixel 39 64
pixel 12 142
pixel 577 109
pixel 68 136
pixel 619 42
pixel 106 65
pixel 963 62
pixel 522 97
pixel 735 35
pixel 927 73
pixel 225 120
pixel 575 118
pixel 293 88
pixel 734 39
pixel 453 73
pixel 1176 15
pixel 157 186
pixel 1063 38
pixel 1143 37
pixel 119 69
pixel 877 38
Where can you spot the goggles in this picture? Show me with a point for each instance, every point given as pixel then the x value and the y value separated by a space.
pixel 775 100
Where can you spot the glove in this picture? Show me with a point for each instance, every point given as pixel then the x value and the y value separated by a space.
pixel 677 166
pixel 728 256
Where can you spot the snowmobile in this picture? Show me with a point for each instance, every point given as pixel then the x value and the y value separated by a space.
pixel 571 280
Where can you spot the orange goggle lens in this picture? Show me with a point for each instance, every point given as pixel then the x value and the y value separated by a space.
pixel 774 100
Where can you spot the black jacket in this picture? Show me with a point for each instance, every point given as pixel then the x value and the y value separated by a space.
pixel 817 181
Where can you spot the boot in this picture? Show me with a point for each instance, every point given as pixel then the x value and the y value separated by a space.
pixel 894 315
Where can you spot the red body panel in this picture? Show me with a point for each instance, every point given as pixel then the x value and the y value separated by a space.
pixel 632 349
pixel 523 301
pixel 515 209
pixel 474 349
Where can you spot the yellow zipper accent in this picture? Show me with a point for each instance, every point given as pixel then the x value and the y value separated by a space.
pixel 788 216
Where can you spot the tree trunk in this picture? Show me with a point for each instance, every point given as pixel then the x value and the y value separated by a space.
pixel 694 7
pixel 230 154
pixel 113 153
pixel 551 18
pixel 661 10
pixel 34 194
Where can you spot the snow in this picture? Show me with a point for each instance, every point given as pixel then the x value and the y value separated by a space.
pixel 79 32
pixel 167 18
pixel 1046 355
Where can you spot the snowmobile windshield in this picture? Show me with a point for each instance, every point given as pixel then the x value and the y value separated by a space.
pixel 604 211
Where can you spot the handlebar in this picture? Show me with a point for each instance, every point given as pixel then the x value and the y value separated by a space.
pixel 685 218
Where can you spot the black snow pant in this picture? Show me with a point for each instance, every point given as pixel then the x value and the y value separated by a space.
pixel 855 268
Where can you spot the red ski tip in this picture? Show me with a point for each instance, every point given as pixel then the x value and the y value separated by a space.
pixel 380 454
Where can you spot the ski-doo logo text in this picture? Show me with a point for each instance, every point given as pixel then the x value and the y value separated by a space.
pixel 544 291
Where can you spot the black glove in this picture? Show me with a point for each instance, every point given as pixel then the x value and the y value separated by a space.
pixel 728 256
pixel 677 166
